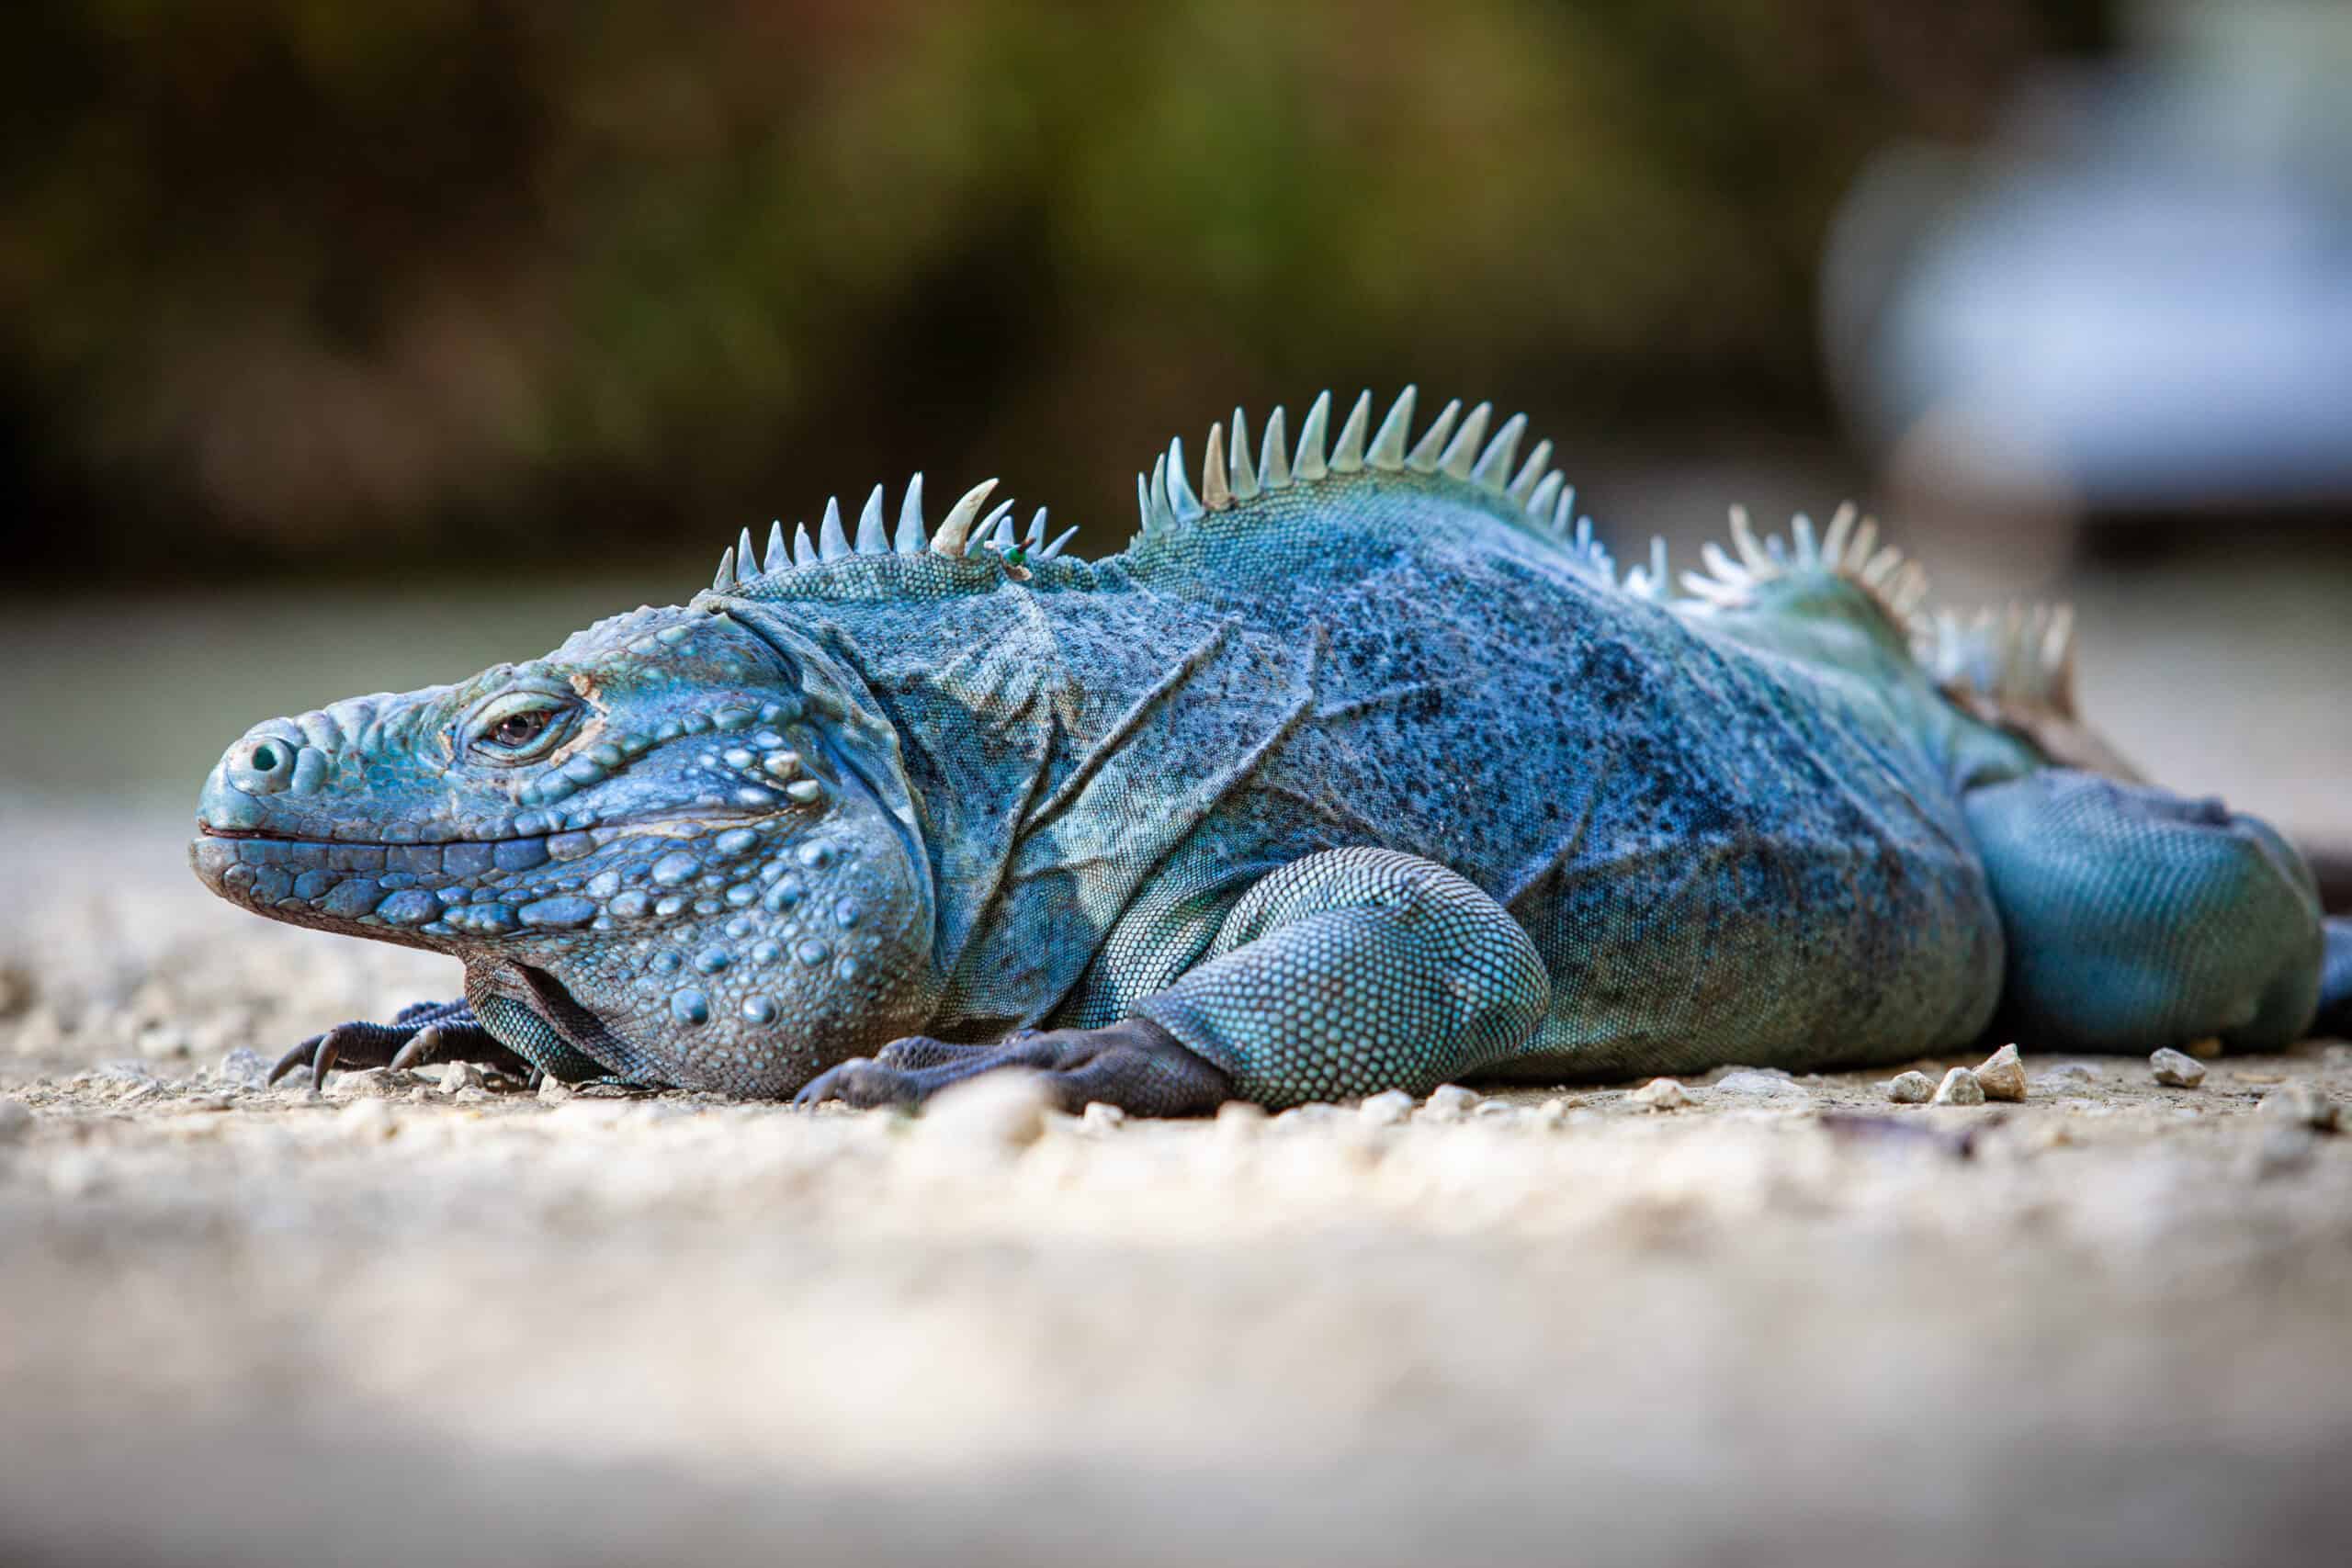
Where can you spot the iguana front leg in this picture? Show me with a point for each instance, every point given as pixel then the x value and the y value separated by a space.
pixel 419 1034
pixel 1345 972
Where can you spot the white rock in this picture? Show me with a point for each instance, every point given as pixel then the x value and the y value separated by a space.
pixel 2299 1105
pixel 1757 1083
pixel 997 1110
pixel 1386 1109
pixel 456 1075
pixel 1551 1113
pixel 1238 1121
pixel 1101 1117
pixel 243 1065
pixel 553 1090
pixel 1661 1094
pixel 15 1120
pixel 2002 1076
pixel 1449 1102
pixel 2176 1069
pixel 1910 1089
pixel 1960 1087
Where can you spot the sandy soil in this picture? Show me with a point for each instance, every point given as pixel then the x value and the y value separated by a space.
pixel 401 1321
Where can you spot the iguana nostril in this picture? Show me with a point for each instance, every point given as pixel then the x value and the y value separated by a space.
pixel 261 765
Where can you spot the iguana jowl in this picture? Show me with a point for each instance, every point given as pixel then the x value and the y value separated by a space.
pixel 1359 768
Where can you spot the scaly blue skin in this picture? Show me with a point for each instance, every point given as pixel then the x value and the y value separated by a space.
pixel 1357 771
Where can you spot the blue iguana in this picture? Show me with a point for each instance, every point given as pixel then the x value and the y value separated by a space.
pixel 1362 767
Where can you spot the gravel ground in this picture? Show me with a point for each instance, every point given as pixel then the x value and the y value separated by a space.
pixel 1787 1322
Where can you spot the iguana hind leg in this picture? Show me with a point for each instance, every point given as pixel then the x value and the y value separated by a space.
pixel 2136 919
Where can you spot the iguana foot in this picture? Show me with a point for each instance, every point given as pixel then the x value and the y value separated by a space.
pixel 419 1034
pixel 1134 1065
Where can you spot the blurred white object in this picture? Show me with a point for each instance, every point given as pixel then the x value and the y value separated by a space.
pixel 2139 296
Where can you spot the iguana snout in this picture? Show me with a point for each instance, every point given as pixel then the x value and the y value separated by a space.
pixel 653 836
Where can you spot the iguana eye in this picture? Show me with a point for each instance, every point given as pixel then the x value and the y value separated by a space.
pixel 519 726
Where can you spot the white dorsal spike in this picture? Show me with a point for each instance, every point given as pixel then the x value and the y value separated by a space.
pixel 1657 562
pixel 1801 530
pixel 743 550
pixel 1181 502
pixel 1462 450
pixel 1273 456
pixel 1547 493
pixel 1492 470
pixel 1143 504
pixel 995 527
pixel 1162 516
pixel 1245 478
pixel 1726 569
pixel 1532 472
pixel 779 553
pixel 871 538
pixel 955 532
pixel 1720 594
pixel 1347 452
pixel 1743 538
pixel 1036 540
pixel 1431 446
pixel 803 552
pixel 1309 464
pixel 1841 528
pixel 1217 487
pixel 1859 552
pixel 914 534
pixel 1882 565
pixel 832 544
pixel 725 578
pixel 1003 539
pixel 1388 450
pixel 1564 511
pixel 1053 550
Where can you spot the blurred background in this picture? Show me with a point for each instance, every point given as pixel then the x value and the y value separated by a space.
pixel 355 347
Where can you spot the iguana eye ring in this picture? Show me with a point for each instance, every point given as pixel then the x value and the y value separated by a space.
pixel 519 726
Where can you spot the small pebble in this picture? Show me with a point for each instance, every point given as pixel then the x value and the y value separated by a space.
pixel 15 1120
pixel 1449 1102
pixel 553 1090
pixel 1910 1089
pixel 2002 1076
pixel 243 1066
pixel 1101 1117
pixel 1761 1084
pixel 1661 1094
pixel 2176 1070
pixel 994 1110
pixel 1239 1120
pixel 1960 1087
pixel 2299 1105
pixel 1386 1109
pixel 456 1075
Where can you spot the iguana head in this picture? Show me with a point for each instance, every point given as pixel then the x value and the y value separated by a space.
pixel 693 840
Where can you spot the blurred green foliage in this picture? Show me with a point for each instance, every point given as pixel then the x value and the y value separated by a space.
pixel 325 286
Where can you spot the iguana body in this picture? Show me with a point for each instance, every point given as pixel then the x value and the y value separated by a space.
pixel 1359 768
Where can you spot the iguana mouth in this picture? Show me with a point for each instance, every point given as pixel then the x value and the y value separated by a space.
pixel 699 821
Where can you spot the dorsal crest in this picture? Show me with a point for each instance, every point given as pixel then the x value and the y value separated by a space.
pixel 966 531
pixel 1454 449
